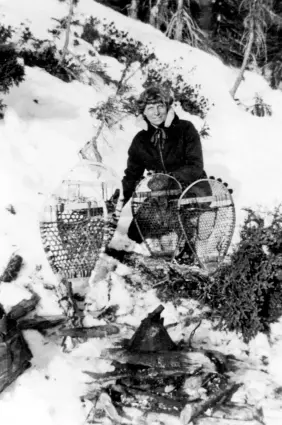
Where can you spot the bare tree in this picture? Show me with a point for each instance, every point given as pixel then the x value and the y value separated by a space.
pixel 260 16
pixel 133 9
pixel 182 27
pixel 67 39
pixel 155 13
pixel 179 20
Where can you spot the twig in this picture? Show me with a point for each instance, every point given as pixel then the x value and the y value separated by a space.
pixel 160 283
pixel 71 73
pixel 193 333
pixel 91 80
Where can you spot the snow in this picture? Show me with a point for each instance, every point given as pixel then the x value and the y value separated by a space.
pixel 46 123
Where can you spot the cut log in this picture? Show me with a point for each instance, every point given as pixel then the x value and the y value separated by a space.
pixel 24 307
pixel 93 332
pixel 163 360
pixel 41 323
pixel 151 336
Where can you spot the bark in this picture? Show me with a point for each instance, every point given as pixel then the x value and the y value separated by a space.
pixel 24 307
pixel 93 332
pixel 67 39
pixel 133 9
pixel 12 269
pixel 179 25
pixel 41 323
pixel 154 14
pixel 245 62
pixel 91 147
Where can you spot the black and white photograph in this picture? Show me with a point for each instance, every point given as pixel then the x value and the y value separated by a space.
pixel 140 212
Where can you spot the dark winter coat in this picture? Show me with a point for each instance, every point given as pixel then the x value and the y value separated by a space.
pixel 181 155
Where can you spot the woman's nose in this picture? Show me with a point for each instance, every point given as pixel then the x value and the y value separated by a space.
pixel 156 111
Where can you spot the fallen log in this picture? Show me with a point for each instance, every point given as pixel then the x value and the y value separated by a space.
pixel 41 323
pixel 161 360
pixel 214 401
pixel 93 332
pixel 24 307
pixel 12 269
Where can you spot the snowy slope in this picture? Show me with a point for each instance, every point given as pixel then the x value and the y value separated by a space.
pixel 40 143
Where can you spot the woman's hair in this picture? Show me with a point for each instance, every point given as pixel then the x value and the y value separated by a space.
pixel 154 94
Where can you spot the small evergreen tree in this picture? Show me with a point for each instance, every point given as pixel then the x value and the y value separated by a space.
pixel 11 71
pixel 259 16
pixel 72 3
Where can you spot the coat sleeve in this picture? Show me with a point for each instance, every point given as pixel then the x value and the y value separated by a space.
pixel 134 170
pixel 193 168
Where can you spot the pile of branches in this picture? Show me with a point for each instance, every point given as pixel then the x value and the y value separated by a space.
pixel 244 295
pixel 155 375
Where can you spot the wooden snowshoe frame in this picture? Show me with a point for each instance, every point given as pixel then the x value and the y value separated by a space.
pixel 73 224
pixel 203 216
pixel 207 216
pixel 154 210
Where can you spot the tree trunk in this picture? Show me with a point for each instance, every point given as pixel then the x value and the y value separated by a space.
pixel 154 13
pixel 90 150
pixel 245 62
pixel 179 21
pixel 67 39
pixel 133 9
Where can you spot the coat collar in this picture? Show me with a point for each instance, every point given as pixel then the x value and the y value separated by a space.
pixel 171 120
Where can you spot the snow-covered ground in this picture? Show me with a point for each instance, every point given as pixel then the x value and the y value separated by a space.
pixel 39 143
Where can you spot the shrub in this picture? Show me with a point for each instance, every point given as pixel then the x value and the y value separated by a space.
pixel 90 33
pixel 118 44
pixel 260 108
pixel 11 71
pixel 44 54
pixel 187 95
pixel 275 71
pixel 247 292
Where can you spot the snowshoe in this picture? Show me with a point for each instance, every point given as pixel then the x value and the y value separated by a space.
pixel 207 216
pixel 194 227
pixel 154 210
pixel 74 223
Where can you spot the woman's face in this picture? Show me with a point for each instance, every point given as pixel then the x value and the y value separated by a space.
pixel 155 113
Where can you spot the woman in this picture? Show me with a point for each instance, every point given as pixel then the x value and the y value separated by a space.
pixel 166 145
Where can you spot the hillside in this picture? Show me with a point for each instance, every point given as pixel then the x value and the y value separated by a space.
pixel 47 122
